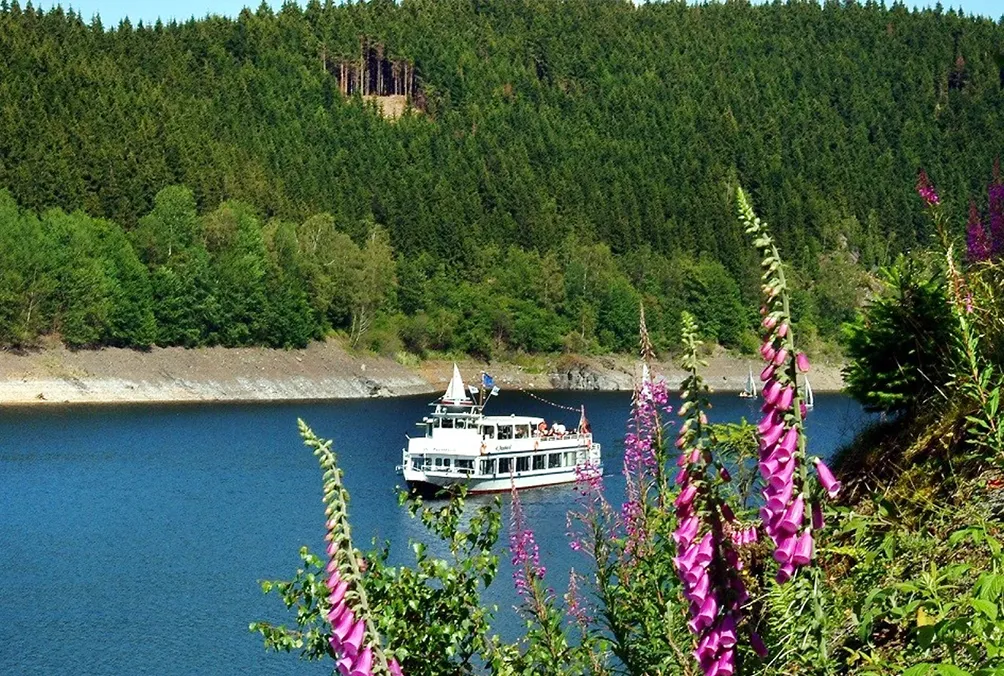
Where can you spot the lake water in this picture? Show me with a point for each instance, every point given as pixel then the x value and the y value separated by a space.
pixel 133 538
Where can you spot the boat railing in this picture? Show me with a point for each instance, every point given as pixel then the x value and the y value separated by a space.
pixel 572 434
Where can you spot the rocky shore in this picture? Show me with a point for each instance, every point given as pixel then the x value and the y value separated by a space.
pixel 321 371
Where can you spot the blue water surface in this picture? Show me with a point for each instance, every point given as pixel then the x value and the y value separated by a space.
pixel 133 538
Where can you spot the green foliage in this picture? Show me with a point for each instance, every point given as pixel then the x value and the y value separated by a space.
pixel 430 614
pixel 910 569
pixel 564 147
pixel 899 348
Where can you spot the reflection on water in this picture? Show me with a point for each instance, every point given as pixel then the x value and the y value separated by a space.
pixel 132 538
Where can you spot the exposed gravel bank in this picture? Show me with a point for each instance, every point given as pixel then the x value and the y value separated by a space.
pixel 321 371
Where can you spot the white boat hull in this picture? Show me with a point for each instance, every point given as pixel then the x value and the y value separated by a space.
pixel 430 481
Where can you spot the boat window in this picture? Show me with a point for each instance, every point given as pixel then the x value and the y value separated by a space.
pixel 523 464
pixel 443 462
pixel 487 432
pixel 505 431
pixel 488 466
pixel 465 465
pixel 417 461
pixel 428 430
pixel 538 462
pixel 505 465
pixel 522 431
pixel 448 423
pixel 554 460
pixel 569 458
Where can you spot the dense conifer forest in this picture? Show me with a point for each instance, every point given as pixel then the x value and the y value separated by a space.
pixel 208 182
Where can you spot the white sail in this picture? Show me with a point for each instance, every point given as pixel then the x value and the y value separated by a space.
pixel 809 401
pixel 749 391
pixel 456 390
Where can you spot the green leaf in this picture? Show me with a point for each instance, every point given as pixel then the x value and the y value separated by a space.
pixel 950 670
pixel 986 607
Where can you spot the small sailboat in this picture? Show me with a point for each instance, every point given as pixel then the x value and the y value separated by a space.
pixel 750 390
pixel 810 402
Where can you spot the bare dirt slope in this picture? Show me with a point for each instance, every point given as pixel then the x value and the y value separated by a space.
pixel 322 371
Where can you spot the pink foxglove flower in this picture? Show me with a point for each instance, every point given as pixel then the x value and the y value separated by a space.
pixel 782 441
pixel 826 478
pixel 354 643
pixel 707 533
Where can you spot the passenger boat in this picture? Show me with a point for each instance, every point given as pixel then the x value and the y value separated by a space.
pixel 459 444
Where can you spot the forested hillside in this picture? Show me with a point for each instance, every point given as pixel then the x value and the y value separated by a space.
pixel 572 158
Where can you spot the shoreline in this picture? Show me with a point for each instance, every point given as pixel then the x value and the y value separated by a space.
pixel 321 371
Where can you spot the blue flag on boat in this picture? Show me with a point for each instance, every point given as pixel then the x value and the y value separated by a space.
pixel 487 381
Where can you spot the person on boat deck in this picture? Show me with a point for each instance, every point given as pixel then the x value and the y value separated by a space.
pixel 559 429
pixel 542 428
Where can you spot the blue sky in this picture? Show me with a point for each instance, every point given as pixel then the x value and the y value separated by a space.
pixel 113 10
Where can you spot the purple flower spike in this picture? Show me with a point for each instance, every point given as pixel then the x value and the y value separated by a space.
pixel 728 632
pixel 770 420
pixel 686 496
pixel 802 362
pixel 758 646
pixel 363 665
pixel 337 592
pixel 780 357
pixel 770 391
pixel 785 549
pixel 684 535
pixel 926 190
pixel 826 478
pixel 336 613
pixel 783 476
pixel 790 440
pixel 776 503
pixel 782 330
pixel 793 516
pixel 817 517
pixel 341 632
pixel 771 436
pixel 353 642
pixel 803 549
pixel 784 401
pixel 978 244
